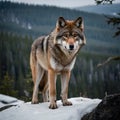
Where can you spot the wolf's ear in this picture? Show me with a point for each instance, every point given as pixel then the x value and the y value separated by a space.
pixel 79 23
pixel 61 22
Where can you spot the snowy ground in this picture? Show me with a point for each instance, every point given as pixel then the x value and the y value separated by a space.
pixel 28 111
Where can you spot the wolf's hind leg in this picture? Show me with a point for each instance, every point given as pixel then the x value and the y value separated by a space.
pixel 44 87
pixel 45 95
pixel 39 75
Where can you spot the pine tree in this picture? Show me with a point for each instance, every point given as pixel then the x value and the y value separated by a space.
pixel 7 86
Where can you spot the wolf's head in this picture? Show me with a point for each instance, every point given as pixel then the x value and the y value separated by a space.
pixel 69 34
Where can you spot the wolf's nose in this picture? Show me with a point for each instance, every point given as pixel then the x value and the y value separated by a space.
pixel 71 47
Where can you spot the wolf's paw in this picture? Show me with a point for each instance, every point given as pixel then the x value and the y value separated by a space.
pixel 67 103
pixel 35 101
pixel 53 105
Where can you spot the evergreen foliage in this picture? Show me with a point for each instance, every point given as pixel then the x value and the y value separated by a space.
pixel 7 86
pixel 104 1
pixel 14 52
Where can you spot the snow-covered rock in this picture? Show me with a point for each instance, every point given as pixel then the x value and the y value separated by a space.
pixel 6 100
pixel 28 111
pixel 107 109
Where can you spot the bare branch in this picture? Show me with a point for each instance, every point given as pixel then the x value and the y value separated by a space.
pixel 108 60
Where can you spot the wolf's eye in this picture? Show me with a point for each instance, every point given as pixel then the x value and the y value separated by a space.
pixel 75 35
pixel 66 35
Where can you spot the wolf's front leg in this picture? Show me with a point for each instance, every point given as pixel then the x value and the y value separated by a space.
pixel 52 88
pixel 65 77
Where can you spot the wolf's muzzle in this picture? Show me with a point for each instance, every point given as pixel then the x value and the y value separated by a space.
pixel 71 47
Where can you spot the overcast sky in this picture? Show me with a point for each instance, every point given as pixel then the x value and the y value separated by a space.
pixel 61 3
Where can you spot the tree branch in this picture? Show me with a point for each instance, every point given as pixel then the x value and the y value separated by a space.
pixel 114 21
pixel 108 60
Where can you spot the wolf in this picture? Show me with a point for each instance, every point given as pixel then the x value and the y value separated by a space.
pixel 56 54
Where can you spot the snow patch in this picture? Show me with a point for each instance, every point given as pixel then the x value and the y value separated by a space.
pixel 41 111
pixel 8 100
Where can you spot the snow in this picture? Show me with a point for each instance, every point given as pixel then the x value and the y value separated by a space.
pixel 24 111
pixel 7 99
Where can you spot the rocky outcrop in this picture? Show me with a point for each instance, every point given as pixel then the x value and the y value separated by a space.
pixel 107 109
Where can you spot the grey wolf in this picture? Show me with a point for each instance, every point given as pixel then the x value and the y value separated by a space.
pixel 56 54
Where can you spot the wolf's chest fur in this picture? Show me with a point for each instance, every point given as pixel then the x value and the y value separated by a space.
pixel 59 67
